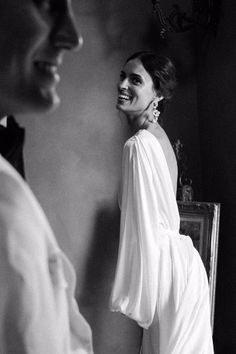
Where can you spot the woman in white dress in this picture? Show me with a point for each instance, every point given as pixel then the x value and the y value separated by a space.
pixel 160 280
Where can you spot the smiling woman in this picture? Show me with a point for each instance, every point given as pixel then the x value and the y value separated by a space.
pixel 135 89
pixel 160 280
pixel 144 84
pixel 29 66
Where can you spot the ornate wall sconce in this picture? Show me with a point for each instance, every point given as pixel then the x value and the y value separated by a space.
pixel 204 13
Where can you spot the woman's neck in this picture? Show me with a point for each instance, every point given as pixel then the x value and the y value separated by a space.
pixel 138 121
pixel 144 123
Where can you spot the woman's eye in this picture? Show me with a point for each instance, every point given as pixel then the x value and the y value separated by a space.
pixel 136 80
pixel 122 76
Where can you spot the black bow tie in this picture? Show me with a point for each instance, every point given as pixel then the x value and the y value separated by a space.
pixel 11 144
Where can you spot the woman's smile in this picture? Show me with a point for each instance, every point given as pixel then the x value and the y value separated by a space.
pixel 124 96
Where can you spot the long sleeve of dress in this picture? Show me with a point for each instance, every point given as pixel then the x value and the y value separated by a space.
pixel 135 287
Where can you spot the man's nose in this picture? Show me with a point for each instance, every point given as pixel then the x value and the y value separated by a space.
pixel 66 35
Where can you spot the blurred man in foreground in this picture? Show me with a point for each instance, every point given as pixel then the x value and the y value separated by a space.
pixel 38 312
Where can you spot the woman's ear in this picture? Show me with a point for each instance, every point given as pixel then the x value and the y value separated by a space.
pixel 157 98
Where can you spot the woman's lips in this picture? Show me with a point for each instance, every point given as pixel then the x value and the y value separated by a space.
pixel 123 96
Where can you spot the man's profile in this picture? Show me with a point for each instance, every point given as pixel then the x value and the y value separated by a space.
pixel 38 312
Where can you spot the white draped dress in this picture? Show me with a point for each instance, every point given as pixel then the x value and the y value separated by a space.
pixel 160 280
pixel 38 311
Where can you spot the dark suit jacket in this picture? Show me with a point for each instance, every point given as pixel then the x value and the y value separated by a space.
pixel 11 144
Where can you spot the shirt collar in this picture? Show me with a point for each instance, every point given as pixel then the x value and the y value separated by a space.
pixel 3 121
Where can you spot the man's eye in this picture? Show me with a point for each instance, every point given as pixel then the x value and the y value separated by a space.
pixel 46 5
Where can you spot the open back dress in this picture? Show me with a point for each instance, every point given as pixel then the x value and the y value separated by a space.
pixel 160 280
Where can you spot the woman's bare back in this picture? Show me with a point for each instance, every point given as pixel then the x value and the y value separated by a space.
pixel 168 151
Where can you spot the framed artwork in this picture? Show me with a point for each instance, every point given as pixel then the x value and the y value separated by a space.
pixel 200 221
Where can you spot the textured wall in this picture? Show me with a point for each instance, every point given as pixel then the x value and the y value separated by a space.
pixel 73 155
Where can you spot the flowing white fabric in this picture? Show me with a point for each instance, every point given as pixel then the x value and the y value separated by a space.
pixel 38 312
pixel 160 280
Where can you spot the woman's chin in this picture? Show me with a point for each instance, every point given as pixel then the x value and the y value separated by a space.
pixel 121 107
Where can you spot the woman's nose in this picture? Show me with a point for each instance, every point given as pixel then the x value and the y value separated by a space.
pixel 66 35
pixel 123 84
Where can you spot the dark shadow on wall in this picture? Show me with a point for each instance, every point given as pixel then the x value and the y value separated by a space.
pixel 123 25
pixel 130 27
pixel 103 252
pixel 216 65
pixel 112 332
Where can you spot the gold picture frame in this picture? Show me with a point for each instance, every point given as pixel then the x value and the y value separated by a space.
pixel 200 221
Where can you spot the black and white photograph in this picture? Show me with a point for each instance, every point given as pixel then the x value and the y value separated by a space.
pixel 118 177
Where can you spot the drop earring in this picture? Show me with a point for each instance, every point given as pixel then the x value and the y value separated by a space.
pixel 155 112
